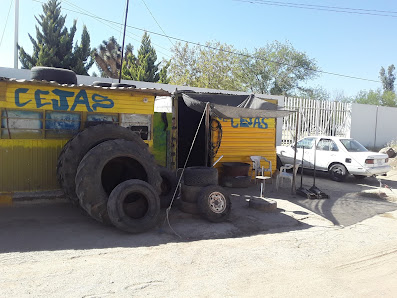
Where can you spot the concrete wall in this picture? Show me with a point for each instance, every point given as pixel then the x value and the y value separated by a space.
pixel 373 126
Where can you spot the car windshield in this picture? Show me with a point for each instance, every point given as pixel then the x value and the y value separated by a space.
pixel 306 143
pixel 352 145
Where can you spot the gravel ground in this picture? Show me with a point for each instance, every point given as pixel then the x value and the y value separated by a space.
pixel 51 249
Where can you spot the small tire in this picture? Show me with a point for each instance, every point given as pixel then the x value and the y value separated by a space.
pixel 190 193
pixel 236 182
pixel 134 206
pixel 338 172
pixel 214 204
pixel 106 166
pixel 101 84
pixel 200 176
pixel 168 186
pixel 59 75
pixel 74 151
pixel 123 85
pixel 190 208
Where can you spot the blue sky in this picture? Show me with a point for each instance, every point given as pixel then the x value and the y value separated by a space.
pixel 348 44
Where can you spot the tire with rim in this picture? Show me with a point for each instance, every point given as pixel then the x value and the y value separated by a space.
pixel 134 206
pixel 338 172
pixel 59 75
pixel 214 204
pixel 200 176
pixel 190 193
pixel 168 186
pixel 74 151
pixel 106 166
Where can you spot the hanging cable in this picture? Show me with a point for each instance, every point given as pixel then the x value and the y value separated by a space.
pixel 183 170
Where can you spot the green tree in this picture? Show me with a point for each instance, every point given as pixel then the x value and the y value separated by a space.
pixel 212 66
pixel 54 43
pixel 164 79
pixel 387 79
pixel 376 97
pixel 108 57
pixel 278 69
pixel 144 67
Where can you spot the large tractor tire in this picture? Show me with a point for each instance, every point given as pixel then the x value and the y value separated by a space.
pixel 200 176
pixel 59 75
pixel 134 206
pixel 106 166
pixel 74 151
pixel 168 186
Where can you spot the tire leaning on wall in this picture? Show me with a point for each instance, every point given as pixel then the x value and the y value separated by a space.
pixel 106 166
pixel 74 151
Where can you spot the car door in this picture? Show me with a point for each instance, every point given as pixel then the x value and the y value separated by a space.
pixel 305 148
pixel 326 153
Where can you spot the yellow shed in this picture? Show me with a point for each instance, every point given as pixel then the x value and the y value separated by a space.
pixel 39 117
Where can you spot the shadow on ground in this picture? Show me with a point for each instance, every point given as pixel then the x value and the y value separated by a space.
pixel 58 225
pixel 348 203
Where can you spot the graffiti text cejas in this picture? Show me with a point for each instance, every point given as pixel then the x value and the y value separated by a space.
pixel 62 100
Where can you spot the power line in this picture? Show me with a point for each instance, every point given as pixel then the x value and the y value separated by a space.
pixel 360 11
pixel 5 26
pixel 156 21
pixel 87 13
pixel 226 51
pixel 105 23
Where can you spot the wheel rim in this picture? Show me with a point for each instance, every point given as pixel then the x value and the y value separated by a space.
pixel 338 172
pixel 217 202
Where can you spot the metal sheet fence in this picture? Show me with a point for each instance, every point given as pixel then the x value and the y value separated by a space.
pixel 316 117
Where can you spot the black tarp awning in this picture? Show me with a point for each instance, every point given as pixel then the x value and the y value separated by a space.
pixel 234 106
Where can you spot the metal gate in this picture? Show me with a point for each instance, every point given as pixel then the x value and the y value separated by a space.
pixel 317 117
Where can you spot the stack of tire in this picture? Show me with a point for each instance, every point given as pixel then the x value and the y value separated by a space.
pixel 108 170
pixel 201 194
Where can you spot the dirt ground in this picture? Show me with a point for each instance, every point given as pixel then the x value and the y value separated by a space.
pixel 344 246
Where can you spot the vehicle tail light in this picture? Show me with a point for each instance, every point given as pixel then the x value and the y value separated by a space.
pixel 369 161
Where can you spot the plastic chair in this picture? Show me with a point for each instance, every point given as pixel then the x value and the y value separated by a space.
pixel 285 175
pixel 257 168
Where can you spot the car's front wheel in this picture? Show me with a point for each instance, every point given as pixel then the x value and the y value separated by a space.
pixel 338 172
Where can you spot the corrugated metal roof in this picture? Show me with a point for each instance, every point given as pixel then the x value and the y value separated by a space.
pixel 152 91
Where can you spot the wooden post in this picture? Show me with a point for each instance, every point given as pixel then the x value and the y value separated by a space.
pixel 207 132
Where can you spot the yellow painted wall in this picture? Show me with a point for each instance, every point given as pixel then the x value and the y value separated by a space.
pixel 30 164
pixel 29 95
pixel 242 138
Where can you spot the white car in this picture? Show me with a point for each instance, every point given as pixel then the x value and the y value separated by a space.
pixel 337 155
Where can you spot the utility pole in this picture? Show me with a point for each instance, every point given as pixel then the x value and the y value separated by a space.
pixel 16 34
pixel 122 49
